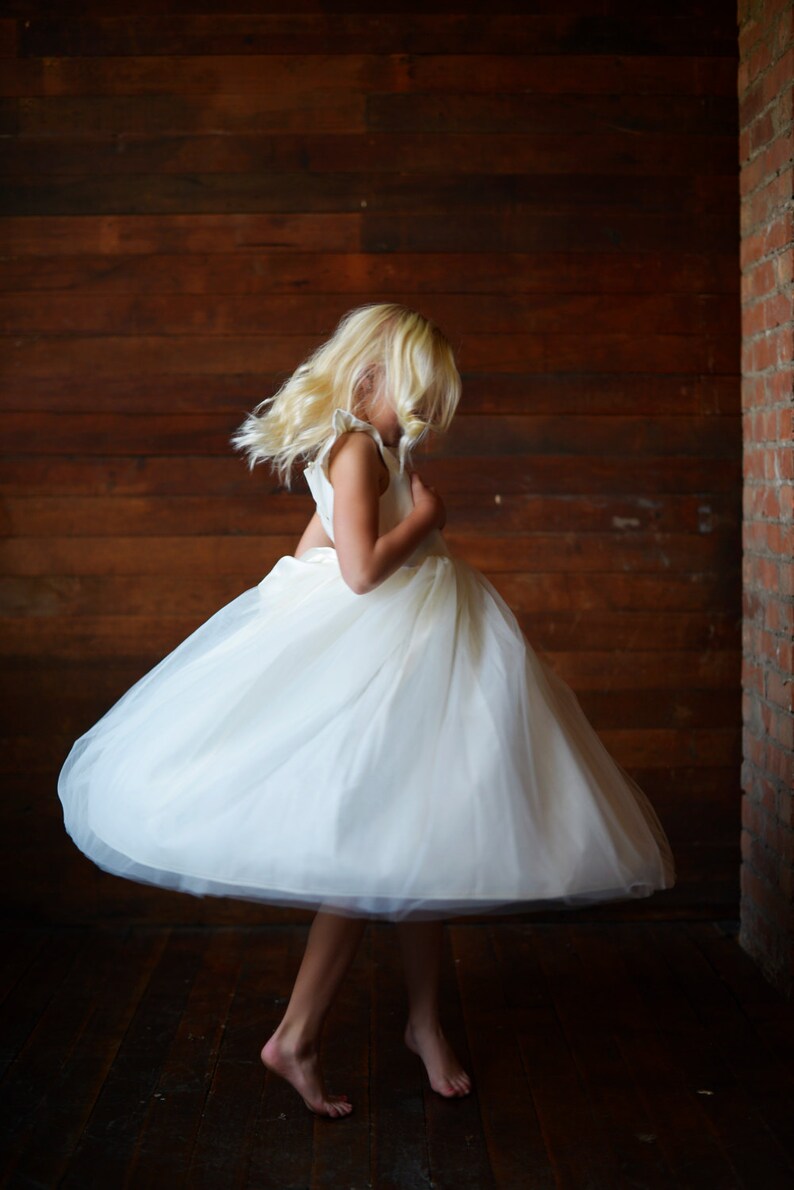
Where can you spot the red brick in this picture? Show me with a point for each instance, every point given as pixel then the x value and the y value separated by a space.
pixel 783 31
pixel 778 79
pixel 783 339
pixel 777 157
pixel 780 112
pixel 779 761
pixel 764 860
pixel 768 795
pixel 780 385
pixel 752 676
pixel 749 36
pixel 765 896
pixel 772 8
pixel 759 280
pixel 767 163
pixel 780 231
pixel 778 539
pixel 752 103
pixel 782 731
pixel 760 59
pixel 786 584
pixel 753 391
pixel 777 310
pixel 754 319
pixel 752 251
pixel 779 690
pixel 745 152
pixel 778 616
pixel 785 425
pixel 769 425
pixel 752 817
pixel 783 267
pixel 764 353
pixel 763 203
pixel 784 654
pixel 770 504
pixel 761 132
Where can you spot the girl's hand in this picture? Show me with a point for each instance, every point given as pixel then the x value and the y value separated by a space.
pixel 423 494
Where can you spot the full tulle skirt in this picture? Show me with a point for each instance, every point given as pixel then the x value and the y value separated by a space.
pixel 398 754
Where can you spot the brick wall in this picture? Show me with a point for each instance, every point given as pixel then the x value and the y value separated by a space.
pixel 766 50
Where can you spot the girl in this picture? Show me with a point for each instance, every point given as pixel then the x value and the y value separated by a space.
pixel 366 732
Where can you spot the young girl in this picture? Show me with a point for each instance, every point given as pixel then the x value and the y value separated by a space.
pixel 366 732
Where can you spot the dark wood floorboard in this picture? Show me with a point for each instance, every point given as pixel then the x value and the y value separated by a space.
pixel 651 1056
pixel 399 1157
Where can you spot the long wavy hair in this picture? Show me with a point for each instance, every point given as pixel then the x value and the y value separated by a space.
pixel 405 354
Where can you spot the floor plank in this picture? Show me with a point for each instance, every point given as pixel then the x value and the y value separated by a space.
pixel 104 1156
pixel 513 1135
pixel 578 1148
pixel 167 1134
pixel 341 1153
pixel 281 1129
pixel 36 986
pixel 455 1135
pixel 52 1087
pixel 399 1158
pixel 226 1143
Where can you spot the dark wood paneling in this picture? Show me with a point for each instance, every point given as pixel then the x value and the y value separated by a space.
pixel 189 204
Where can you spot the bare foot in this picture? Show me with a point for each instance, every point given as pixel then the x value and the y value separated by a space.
pixel 445 1072
pixel 298 1065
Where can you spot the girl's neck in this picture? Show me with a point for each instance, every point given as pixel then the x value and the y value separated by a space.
pixel 382 415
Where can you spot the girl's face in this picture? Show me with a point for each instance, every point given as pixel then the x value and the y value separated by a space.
pixel 379 411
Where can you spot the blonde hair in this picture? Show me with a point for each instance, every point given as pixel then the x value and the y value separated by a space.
pixel 408 352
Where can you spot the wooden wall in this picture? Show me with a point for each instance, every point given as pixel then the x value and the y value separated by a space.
pixel 190 204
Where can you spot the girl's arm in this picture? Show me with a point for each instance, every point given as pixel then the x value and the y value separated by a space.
pixel 313 534
pixel 365 559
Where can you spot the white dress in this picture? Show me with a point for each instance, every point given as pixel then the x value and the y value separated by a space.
pixel 393 754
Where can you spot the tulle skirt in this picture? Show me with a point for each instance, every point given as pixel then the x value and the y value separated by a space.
pixel 398 754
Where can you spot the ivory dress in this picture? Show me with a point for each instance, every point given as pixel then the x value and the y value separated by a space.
pixel 402 753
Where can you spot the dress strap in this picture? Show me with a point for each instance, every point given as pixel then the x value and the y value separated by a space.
pixel 342 421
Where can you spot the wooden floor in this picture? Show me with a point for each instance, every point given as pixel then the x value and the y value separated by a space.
pixel 603 1055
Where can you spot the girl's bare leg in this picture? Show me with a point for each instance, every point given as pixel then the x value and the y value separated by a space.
pixel 420 942
pixel 292 1049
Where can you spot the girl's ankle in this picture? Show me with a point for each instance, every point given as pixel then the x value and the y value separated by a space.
pixel 297 1040
pixel 424 1024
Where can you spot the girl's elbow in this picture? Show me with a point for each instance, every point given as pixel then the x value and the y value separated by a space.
pixel 358 569
pixel 359 584
pixel 359 579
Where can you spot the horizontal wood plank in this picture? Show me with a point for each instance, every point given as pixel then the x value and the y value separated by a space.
pixel 519 553
pixel 170 313
pixel 58 251
pixel 483 475
pixel 342 32
pixel 508 435
pixel 40 516
pixel 346 111
pixel 608 153
pixel 298 73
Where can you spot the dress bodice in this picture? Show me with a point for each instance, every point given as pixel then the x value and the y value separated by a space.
pixel 395 503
